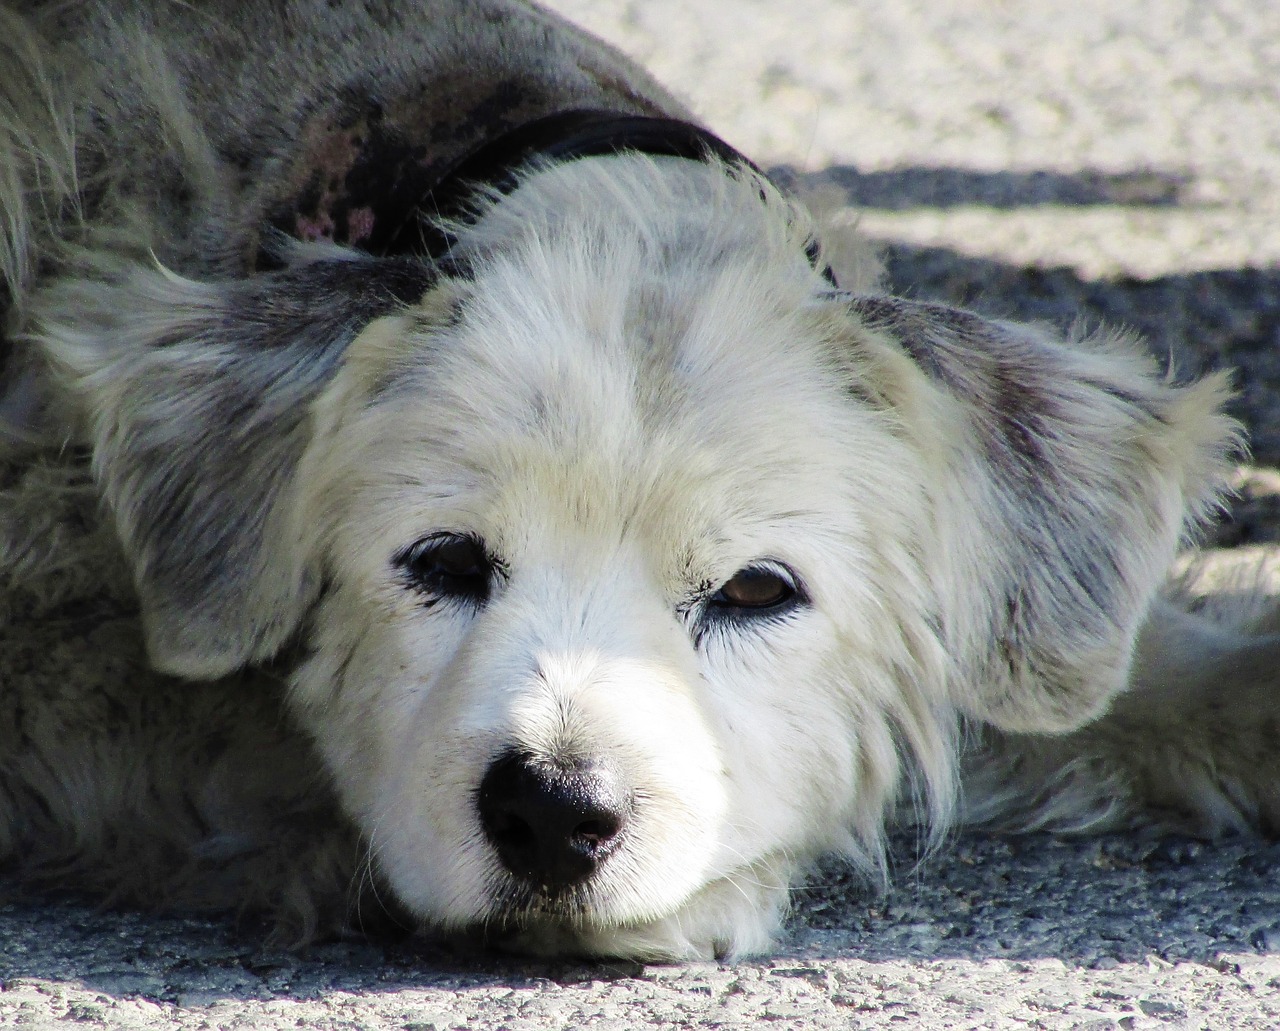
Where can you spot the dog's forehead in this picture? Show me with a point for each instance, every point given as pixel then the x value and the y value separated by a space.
pixel 608 397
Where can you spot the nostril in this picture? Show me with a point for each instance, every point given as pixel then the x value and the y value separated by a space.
pixel 551 825
pixel 597 832
pixel 509 829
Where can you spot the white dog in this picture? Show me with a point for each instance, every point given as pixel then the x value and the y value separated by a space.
pixel 435 375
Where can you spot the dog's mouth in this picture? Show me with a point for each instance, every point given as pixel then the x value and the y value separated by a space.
pixel 519 906
pixel 531 921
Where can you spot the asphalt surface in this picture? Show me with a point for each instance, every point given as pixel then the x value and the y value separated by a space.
pixel 1119 932
pixel 1037 160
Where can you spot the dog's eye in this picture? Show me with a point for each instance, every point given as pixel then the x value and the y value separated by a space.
pixel 756 590
pixel 450 566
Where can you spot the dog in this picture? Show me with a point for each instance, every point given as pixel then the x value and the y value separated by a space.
pixel 436 467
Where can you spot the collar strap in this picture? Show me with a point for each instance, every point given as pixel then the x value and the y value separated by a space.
pixel 563 136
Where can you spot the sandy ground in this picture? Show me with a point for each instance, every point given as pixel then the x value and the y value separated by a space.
pixel 1035 159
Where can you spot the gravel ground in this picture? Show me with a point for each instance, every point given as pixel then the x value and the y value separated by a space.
pixel 1118 932
pixel 1034 159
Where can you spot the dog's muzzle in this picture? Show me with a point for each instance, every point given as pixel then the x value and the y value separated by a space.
pixel 552 825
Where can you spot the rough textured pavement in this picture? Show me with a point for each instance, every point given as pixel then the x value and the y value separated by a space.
pixel 1030 932
pixel 1035 159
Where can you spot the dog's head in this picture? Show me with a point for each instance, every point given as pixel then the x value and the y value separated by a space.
pixel 631 565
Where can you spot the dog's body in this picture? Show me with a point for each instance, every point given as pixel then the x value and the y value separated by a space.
pixel 615 563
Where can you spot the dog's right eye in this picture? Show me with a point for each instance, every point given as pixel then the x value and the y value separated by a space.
pixel 449 566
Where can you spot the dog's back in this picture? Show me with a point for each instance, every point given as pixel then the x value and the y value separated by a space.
pixel 194 132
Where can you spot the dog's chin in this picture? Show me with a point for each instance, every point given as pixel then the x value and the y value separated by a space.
pixel 727 918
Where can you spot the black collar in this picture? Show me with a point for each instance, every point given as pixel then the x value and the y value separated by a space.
pixel 564 136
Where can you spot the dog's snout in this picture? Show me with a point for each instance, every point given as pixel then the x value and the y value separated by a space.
pixel 552 826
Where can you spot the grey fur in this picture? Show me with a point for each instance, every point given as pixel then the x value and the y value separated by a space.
pixel 201 438
pixel 1075 531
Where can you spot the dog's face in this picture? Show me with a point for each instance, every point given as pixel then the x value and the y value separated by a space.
pixel 633 566
pixel 594 567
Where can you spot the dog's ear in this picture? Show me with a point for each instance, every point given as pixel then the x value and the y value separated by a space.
pixel 197 397
pixel 1065 474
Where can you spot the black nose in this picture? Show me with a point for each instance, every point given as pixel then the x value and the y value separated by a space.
pixel 552 826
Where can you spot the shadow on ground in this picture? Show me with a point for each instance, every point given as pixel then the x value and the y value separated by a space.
pixel 906 189
pixel 1086 901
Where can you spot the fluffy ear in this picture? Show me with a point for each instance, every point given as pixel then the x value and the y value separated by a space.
pixel 1065 474
pixel 197 398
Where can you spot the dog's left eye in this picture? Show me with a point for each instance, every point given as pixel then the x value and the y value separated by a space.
pixel 450 566
pixel 756 590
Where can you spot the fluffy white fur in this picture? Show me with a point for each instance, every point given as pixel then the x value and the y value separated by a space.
pixel 629 384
